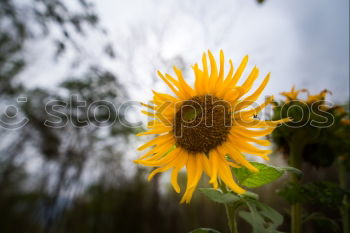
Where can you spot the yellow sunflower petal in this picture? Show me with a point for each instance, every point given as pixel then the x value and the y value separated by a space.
pixel 260 142
pixel 251 112
pixel 245 147
pixel 238 157
pixel 260 89
pixel 213 158
pixel 205 75
pixel 230 83
pixel 213 72
pixel 156 152
pixel 233 95
pixel 251 133
pixel 165 159
pixel 177 167
pixel 194 171
pixel 157 141
pixel 205 163
pixel 148 106
pixel 250 80
pixel 189 92
pixel 226 176
pixel 222 65
pixel 158 130
pixel 252 123
pixel 158 170
pixel 179 94
pixel 151 114
pixel 198 78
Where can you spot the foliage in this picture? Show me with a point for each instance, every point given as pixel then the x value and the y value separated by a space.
pixel 219 197
pixel 318 127
pixel 266 174
pixel 318 136
pixel 323 222
pixel 318 193
pixel 261 217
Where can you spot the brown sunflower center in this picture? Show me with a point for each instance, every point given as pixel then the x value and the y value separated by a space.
pixel 202 123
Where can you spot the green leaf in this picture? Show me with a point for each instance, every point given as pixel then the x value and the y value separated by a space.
pixel 322 220
pixel 261 217
pixel 292 170
pixel 250 195
pixel 266 174
pixel 204 230
pixel 218 196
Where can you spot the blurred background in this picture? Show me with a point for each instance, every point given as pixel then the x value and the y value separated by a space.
pixel 78 176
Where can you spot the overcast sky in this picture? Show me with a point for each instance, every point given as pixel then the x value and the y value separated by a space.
pixel 305 43
pixel 302 43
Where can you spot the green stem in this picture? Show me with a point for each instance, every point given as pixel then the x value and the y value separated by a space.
pixel 295 160
pixel 344 209
pixel 296 218
pixel 231 216
pixel 231 211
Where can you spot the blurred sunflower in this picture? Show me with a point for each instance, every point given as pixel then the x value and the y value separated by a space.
pixel 318 97
pixel 316 131
pixel 205 128
pixel 293 94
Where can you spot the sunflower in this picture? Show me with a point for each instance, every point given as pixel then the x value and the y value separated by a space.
pixel 318 97
pixel 205 128
pixel 293 94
